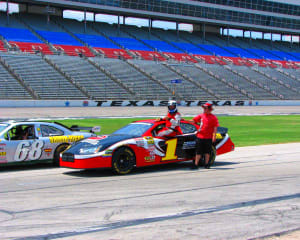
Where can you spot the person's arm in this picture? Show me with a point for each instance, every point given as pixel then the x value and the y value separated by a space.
pixel 214 134
pixel 162 119
pixel 215 130
pixel 196 119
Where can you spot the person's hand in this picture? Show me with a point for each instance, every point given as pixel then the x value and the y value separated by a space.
pixel 214 138
pixel 158 119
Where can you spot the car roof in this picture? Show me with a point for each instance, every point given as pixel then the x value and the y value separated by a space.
pixel 12 122
pixel 145 121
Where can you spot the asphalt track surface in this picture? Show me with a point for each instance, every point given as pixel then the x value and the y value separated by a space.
pixel 252 193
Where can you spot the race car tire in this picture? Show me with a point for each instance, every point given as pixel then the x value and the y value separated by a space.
pixel 212 157
pixel 57 153
pixel 123 160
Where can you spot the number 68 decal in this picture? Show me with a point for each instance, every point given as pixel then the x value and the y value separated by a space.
pixel 26 149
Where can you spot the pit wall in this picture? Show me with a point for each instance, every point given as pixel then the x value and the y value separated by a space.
pixel 140 103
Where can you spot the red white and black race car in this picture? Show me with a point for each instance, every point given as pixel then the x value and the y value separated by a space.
pixel 137 145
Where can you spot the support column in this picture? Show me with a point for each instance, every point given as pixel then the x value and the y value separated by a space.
pixel 118 24
pixel 203 32
pixel 48 16
pixel 177 29
pixel 227 35
pixel 124 21
pixel 271 40
pixel 94 17
pixel 7 12
pixel 84 20
pixel 149 26
pixel 250 39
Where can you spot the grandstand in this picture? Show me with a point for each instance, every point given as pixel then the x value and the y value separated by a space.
pixel 46 56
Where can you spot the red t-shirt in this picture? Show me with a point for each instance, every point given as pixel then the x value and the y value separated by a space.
pixel 207 124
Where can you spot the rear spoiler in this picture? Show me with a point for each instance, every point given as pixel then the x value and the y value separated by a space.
pixel 90 129
pixel 222 130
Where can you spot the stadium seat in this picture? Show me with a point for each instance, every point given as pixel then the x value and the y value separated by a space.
pixel 97 41
pixel 190 48
pixel 148 55
pixel 234 60
pixel 2 48
pixel 131 44
pixel 32 47
pixel 18 35
pixel 113 53
pixel 74 50
pixel 264 54
pixel 59 38
pixel 206 58
pixel 180 57
pixel 161 46
pixel 218 51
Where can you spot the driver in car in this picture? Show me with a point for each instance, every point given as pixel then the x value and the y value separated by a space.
pixel 172 119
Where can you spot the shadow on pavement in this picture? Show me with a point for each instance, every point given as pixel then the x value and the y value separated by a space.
pixel 185 166
pixel 28 167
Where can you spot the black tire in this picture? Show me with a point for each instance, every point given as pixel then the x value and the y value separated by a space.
pixel 212 157
pixel 123 160
pixel 57 152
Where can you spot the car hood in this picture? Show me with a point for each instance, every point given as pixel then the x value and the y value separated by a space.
pixel 96 144
pixel 108 140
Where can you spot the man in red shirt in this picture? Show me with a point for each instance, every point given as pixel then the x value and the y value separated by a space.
pixel 173 118
pixel 206 134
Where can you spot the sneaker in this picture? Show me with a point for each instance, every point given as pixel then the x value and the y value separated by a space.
pixel 207 166
pixel 194 167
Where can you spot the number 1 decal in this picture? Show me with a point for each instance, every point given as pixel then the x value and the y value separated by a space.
pixel 171 150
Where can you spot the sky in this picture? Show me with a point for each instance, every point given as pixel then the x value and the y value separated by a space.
pixel 162 24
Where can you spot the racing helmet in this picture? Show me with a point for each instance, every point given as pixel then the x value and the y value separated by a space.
pixel 172 106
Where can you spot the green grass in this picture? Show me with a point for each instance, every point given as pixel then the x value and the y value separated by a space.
pixel 244 130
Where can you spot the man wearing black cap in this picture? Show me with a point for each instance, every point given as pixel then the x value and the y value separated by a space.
pixel 206 134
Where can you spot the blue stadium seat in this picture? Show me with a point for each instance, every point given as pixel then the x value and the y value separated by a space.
pixel 59 38
pixel 97 41
pixel 18 35
pixel 190 48
pixel 284 55
pixel 162 46
pixel 240 52
pixel 217 50
pixel 264 54
pixel 131 44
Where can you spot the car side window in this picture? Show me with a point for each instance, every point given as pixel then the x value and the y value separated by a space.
pixel 48 131
pixel 187 128
pixel 21 132
pixel 157 129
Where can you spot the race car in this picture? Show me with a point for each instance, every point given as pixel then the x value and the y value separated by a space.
pixel 30 142
pixel 137 145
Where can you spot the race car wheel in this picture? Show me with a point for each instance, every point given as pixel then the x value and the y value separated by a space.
pixel 123 160
pixel 57 152
pixel 212 157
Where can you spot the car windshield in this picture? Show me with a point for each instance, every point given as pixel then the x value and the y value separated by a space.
pixel 135 129
pixel 3 126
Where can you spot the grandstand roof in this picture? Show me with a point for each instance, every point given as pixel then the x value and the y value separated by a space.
pixel 267 16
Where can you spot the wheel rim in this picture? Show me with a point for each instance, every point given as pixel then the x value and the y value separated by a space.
pixel 124 161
